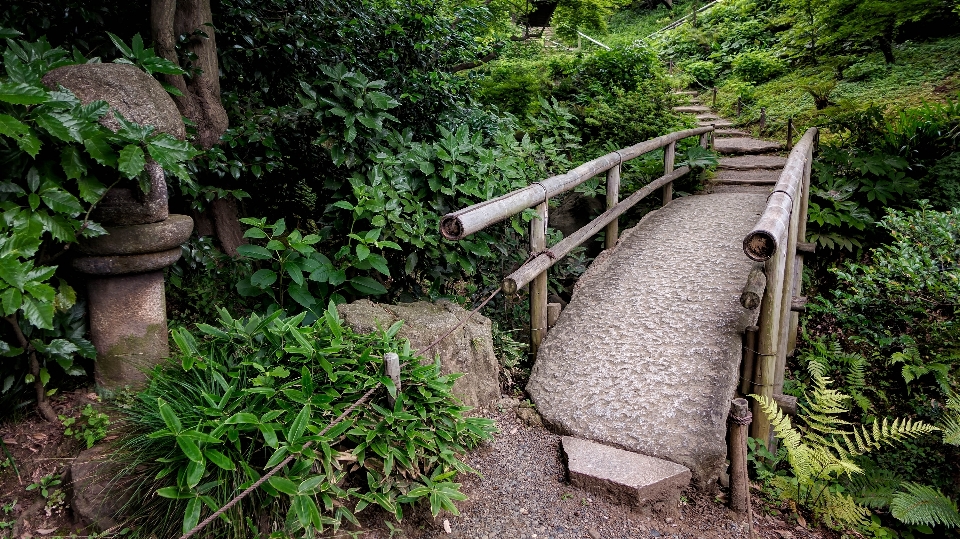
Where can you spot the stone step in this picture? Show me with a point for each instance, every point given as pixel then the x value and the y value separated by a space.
pixel 623 476
pixel 737 189
pixel 687 92
pixel 716 123
pixel 730 133
pixel 704 117
pixel 692 109
pixel 752 162
pixel 745 145
pixel 747 177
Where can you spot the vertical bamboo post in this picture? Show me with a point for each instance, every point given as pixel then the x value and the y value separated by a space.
pixel 391 368
pixel 739 106
pixel 706 139
pixel 790 133
pixel 538 288
pixel 613 196
pixel 798 267
pixel 740 418
pixel 714 96
pixel 749 359
pixel 763 119
pixel 786 292
pixel 768 339
pixel 669 155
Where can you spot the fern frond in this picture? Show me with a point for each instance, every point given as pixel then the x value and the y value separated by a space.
pixel 874 488
pixel 841 510
pixel 922 504
pixel 886 432
pixel 951 421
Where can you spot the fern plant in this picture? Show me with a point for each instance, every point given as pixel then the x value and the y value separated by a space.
pixel 821 449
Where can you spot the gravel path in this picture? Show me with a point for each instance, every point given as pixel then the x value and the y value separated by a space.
pixel 523 495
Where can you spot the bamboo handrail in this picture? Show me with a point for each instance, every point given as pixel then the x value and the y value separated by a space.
pixel 460 224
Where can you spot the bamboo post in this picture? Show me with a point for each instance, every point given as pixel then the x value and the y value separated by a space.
pixel 714 96
pixel 739 106
pixel 613 197
pixel 763 119
pixel 391 368
pixel 790 133
pixel 767 341
pixel 753 290
pixel 798 267
pixel 749 361
pixel 553 313
pixel 538 288
pixel 740 418
pixel 787 292
pixel 669 155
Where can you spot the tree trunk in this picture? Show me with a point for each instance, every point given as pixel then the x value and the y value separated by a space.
pixel 200 101
pixel 885 43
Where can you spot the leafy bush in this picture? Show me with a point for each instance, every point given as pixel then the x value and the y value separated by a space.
pixel 250 392
pixel 703 71
pixel 757 66
pixel 514 86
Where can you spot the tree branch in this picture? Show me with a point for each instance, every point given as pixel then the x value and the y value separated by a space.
pixel 42 405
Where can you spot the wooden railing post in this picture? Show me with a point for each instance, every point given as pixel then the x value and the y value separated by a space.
pixel 538 288
pixel 391 368
pixel 706 139
pixel 714 96
pixel 798 267
pixel 669 156
pixel 613 196
pixel 790 133
pixel 768 339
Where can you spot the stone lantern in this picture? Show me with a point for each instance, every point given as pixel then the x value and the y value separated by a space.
pixel 127 306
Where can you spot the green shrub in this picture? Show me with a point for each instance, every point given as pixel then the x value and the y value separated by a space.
pixel 625 68
pixel 757 66
pixel 250 392
pixel 946 181
pixel 703 71
pixel 514 86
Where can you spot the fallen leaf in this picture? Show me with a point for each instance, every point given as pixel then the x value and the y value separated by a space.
pixel 46 531
pixel 801 521
pixel 446 526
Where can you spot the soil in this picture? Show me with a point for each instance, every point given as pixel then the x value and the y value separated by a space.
pixel 39 449
pixel 520 493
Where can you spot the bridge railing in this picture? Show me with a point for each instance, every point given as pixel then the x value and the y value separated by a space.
pixel 462 223
pixel 779 241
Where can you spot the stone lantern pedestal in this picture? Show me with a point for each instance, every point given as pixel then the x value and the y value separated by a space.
pixel 128 324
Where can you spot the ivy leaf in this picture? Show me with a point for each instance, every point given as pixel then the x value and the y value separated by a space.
pixel 132 160
pixel 367 285
pixel 22 94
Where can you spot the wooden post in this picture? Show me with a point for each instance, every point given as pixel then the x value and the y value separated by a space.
pixel 391 368
pixel 749 360
pixel 613 196
pixel 753 290
pixel 669 155
pixel 739 106
pixel 553 313
pixel 714 96
pixel 763 119
pixel 798 267
pixel 790 133
pixel 538 288
pixel 787 292
pixel 767 342
pixel 740 418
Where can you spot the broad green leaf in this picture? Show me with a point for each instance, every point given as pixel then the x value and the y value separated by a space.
pixel 61 201
pixel 192 515
pixel 131 160
pixel 169 417
pixel 173 493
pixel 362 251
pixel 367 285
pixel 255 251
pixel 263 278
pixel 299 424
pixel 284 485
pixel 301 294
pixel 219 459
pixel 74 165
pixel 19 93
pixel 241 418
pixel 55 126
pixel 12 299
pixel 90 189
pixel 39 314
pixel 189 448
pixel 195 470
pixel 119 44
pixel 101 151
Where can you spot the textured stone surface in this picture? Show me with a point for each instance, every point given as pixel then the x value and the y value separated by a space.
pixel 91 489
pixel 124 264
pixel 128 326
pixel 752 162
pixel 707 117
pixel 468 350
pixel 747 177
pixel 623 476
pixel 134 94
pixel 130 206
pixel 745 145
pixel 716 123
pixel 731 133
pixel 646 355
pixel 692 109
pixel 138 239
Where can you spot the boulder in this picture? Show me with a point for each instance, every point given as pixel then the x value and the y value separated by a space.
pixel 129 90
pixel 92 490
pixel 468 349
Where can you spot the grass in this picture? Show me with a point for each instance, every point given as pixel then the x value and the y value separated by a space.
pixel 631 24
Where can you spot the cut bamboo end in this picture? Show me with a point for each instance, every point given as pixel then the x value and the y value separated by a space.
pixel 451 228
pixel 753 290
pixel 806 247
pixel 799 304
pixel 760 245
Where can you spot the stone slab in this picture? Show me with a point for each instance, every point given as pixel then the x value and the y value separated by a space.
pixel 705 117
pixel 747 177
pixel 716 123
pixel 692 109
pixel 764 190
pixel 140 239
pixel 646 355
pixel 745 145
pixel 752 162
pixel 687 92
pixel 126 264
pixel 731 133
pixel 623 476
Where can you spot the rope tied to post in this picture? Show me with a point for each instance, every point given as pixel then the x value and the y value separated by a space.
pixel 743 420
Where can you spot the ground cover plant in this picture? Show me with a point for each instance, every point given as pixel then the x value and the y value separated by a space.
pixel 266 386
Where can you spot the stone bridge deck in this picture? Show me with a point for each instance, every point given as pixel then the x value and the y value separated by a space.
pixel 646 355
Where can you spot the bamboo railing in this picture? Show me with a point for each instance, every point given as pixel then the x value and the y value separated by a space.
pixel 462 223
pixel 779 240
